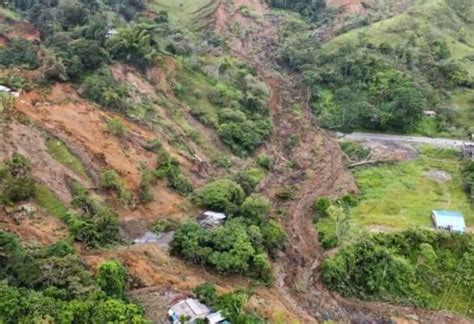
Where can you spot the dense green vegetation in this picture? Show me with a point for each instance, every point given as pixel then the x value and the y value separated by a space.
pixel 225 94
pixel 468 176
pixel 232 304
pixel 384 76
pixel 414 267
pixel 51 284
pixel 16 183
pixel 239 246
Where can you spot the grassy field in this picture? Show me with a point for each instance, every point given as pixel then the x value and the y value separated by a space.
pixel 398 196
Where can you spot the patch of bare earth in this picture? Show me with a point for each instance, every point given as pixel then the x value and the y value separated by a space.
pixel 35 226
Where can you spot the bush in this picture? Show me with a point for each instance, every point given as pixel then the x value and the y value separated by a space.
pixel 97 225
pixel 222 196
pixel 111 276
pixel 52 284
pixel 321 207
pixel 19 52
pixel 410 268
pixel 169 167
pixel 264 161
pixel 228 249
pixel 111 180
pixel 16 183
pixel 103 89
pixel 248 179
pixel 116 127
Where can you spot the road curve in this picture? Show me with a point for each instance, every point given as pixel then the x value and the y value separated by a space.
pixel 439 142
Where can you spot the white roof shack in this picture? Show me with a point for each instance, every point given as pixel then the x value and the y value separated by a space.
pixel 8 90
pixel 111 32
pixel 215 318
pixel 210 219
pixel 430 113
pixel 189 308
pixel 5 89
pixel 448 220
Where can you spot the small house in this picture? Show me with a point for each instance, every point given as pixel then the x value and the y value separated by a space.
pixel 468 151
pixel 429 113
pixel 5 89
pixel 189 309
pixel 210 219
pixel 448 220
pixel 216 318
pixel 111 33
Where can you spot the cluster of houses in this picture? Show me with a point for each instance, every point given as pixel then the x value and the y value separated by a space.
pixel 190 310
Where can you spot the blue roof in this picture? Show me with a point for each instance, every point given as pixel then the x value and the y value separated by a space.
pixel 449 219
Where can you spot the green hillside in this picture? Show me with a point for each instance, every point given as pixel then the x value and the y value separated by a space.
pixel 384 75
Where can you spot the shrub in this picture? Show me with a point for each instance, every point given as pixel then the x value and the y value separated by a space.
pixel 264 161
pixel 111 180
pixel 116 127
pixel 111 276
pixel 97 225
pixel 20 52
pixel 396 267
pixel 228 249
pixel 248 179
pixel 169 167
pixel 222 196
pixel 16 183
pixel 321 207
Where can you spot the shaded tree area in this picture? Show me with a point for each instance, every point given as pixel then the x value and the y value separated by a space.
pixel 240 246
pixel 415 267
pixel 51 284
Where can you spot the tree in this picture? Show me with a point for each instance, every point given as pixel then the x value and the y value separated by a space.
pixel 222 196
pixel 341 221
pixel 89 52
pixel 52 67
pixel 111 276
pixel 134 45
pixel 255 209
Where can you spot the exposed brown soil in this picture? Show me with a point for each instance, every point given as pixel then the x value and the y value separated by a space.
pixel 83 127
pixel 38 227
pixel 29 141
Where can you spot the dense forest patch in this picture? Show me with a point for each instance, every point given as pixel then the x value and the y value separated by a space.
pixel 415 267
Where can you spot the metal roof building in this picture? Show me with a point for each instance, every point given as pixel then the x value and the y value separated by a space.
pixel 189 308
pixel 210 219
pixel 448 220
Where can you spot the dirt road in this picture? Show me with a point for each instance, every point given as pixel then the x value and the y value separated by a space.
pixel 419 140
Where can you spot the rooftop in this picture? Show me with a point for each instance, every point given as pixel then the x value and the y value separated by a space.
pixel 449 219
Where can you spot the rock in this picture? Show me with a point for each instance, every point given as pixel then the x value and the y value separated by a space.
pixel 27 208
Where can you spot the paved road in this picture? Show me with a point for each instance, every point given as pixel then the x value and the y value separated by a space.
pixel 439 142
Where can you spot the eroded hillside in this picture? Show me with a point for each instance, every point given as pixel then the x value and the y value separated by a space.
pixel 124 133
